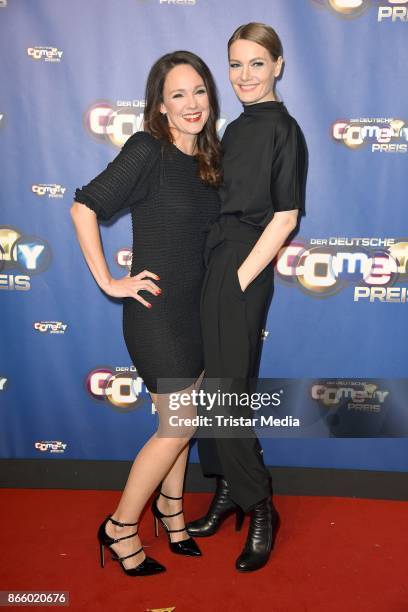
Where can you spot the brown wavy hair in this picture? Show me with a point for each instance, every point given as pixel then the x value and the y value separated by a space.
pixel 259 33
pixel 208 144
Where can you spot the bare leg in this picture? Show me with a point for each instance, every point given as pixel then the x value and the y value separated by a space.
pixel 172 485
pixel 150 466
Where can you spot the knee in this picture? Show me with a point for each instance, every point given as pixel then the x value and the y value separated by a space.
pixel 185 434
pixel 177 444
pixel 181 427
pixel 188 433
pixel 179 441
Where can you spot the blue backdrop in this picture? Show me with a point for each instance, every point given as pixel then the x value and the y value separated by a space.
pixel 73 76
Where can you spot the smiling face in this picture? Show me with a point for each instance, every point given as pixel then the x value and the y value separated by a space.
pixel 185 100
pixel 252 71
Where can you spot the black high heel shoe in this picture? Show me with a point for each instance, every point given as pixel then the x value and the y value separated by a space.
pixel 185 547
pixel 147 567
pixel 220 508
pixel 263 526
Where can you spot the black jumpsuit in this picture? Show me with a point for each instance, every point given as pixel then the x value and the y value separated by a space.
pixel 172 209
pixel 264 163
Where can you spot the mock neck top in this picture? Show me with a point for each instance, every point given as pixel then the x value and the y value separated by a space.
pixel 264 164
pixel 262 107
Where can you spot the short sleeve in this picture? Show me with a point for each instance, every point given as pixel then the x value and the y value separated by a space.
pixel 289 168
pixel 121 183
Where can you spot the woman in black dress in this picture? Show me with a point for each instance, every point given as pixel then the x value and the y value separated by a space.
pixel 264 165
pixel 167 175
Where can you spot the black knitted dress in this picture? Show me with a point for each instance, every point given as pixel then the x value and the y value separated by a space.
pixel 171 210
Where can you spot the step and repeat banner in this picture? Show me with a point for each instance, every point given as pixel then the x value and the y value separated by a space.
pixel 335 344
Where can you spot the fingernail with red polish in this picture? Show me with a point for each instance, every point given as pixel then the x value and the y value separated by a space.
pixel 149 305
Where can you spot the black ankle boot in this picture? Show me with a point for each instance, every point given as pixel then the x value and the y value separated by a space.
pixel 264 523
pixel 220 508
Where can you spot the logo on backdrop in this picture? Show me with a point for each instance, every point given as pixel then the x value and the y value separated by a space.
pixel 3 3
pixel 3 382
pixel 50 327
pixel 387 10
pixel 1 120
pixel 121 387
pixel 324 267
pixel 123 258
pixel 170 2
pixel 47 54
pixel 351 394
pixel 384 135
pixel 27 254
pixel 178 2
pixel 115 123
pixel 52 190
pixel 51 446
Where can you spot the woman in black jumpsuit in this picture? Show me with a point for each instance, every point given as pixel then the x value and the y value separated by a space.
pixel 264 165
pixel 167 175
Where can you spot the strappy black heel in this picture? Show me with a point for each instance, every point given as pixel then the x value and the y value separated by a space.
pixel 185 547
pixel 147 567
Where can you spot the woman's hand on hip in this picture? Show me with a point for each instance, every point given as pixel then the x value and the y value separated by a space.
pixel 129 286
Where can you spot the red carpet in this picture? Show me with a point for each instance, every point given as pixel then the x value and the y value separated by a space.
pixel 331 555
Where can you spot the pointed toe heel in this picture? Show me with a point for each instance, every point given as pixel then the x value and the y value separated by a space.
pixel 186 547
pixel 148 567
